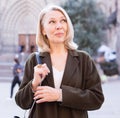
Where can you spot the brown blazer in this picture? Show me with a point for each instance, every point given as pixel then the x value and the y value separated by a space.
pixel 81 88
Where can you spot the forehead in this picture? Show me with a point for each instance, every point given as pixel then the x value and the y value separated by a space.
pixel 53 14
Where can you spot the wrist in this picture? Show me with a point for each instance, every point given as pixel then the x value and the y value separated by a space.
pixel 34 86
pixel 60 95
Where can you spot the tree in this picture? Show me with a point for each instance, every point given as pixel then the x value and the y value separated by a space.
pixel 88 21
pixel 118 35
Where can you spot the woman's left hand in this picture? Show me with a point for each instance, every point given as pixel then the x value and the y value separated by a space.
pixel 46 94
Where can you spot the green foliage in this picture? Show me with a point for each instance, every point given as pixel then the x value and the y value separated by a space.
pixel 88 21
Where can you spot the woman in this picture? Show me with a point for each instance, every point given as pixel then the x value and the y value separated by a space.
pixel 66 84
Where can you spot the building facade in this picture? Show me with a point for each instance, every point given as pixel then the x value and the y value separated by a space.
pixel 18 22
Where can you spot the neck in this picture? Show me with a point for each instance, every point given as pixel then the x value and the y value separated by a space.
pixel 58 49
pixel 58 57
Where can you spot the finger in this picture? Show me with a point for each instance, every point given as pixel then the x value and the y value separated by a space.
pixel 39 88
pixel 40 101
pixel 39 65
pixel 37 93
pixel 38 97
pixel 45 67
pixel 45 71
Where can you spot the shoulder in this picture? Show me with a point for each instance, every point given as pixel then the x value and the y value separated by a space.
pixel 31 59
pixel 31 55
pixel 82 56
pixel 80 53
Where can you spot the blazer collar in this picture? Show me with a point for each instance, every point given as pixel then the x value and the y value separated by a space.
pixel 70 68
pixel 71 52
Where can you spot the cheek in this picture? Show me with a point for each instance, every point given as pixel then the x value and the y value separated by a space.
pixel 66 28
pixel 45 28
pixel 49 30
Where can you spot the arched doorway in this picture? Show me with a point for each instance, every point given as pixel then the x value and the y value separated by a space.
pixel 27 43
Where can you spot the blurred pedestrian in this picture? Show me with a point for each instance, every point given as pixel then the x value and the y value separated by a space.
pixel 17 70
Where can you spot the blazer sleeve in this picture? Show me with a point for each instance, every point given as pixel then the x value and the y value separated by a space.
pixel 90 97
pixel 24 96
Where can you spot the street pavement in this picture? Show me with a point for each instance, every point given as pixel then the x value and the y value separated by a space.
pixel 111 105
pixel 110 108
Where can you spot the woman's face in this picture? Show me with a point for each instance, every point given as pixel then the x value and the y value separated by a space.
pixel 55 27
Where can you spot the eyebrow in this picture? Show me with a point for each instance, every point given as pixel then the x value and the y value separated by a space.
pixel 60 17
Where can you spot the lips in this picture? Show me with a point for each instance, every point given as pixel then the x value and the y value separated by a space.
pixel 59 34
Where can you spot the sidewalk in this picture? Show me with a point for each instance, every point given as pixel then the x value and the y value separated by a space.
pixel 110 108
pixel 8 107
pixel 111 105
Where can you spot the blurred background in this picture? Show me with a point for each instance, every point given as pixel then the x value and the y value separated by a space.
pixel 97 31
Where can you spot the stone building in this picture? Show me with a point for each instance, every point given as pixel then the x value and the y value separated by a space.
pixel 18 22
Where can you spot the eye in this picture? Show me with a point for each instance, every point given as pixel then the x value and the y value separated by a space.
pixel 51 22
pixel 64 21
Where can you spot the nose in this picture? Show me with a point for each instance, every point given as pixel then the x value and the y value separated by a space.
pixel 58 25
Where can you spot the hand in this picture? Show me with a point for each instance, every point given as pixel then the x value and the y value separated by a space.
pixel 46 94
pixel 19 70
pixel 40 72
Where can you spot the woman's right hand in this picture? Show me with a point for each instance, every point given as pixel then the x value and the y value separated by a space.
pixel 40 72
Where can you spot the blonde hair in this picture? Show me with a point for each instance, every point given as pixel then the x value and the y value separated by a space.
pixel 42 41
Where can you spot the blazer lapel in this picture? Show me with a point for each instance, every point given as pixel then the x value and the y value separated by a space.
pixel 49 78
pixel 71 66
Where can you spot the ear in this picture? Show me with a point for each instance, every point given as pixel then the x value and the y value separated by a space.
pixel 43 31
